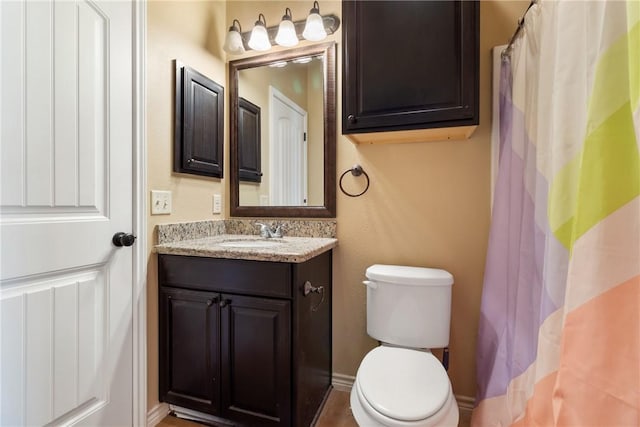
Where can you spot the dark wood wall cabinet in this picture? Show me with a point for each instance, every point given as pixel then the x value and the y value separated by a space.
pixel 241 341
pixel 199 123
pixel 410 70
pixel 249 136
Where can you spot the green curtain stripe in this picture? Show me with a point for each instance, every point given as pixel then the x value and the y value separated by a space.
pixel 609 175
pixel 617 78
pixel 605 174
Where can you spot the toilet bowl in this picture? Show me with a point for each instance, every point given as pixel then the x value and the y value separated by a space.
pixel 400 383
pixel 402 387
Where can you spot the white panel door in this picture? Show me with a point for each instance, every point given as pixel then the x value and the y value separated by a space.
pixel 66 113
pixel 288 151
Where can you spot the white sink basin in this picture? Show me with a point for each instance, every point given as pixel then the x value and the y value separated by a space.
pixel 250 244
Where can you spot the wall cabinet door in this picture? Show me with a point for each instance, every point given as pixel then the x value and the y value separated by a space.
pixel 249 141
pixel 409 65
pixel 189 349
pixel 199 124
pixel 256 360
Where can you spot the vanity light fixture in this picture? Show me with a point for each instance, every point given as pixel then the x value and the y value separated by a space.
pixel 287 36
pixel 233 41
pixel 259 39
pixel 315 28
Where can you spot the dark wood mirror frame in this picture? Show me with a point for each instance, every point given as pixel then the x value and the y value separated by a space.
pixel 328 51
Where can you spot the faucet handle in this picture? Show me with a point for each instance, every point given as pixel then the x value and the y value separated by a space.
pixel 278 232
pixel 265 231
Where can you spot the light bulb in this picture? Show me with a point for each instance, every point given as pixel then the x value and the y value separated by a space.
pixel 259 39
pixel 233 41
pixel 314 28
pixel 287 36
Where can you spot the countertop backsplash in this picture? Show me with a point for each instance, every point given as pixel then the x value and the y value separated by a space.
pixel 177 232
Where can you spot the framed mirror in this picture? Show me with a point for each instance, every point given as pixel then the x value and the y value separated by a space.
pixel 283 130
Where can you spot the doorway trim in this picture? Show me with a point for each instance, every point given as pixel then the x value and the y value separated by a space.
pixel 139 273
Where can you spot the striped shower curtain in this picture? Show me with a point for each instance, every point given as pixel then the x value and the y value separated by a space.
pixel 559 336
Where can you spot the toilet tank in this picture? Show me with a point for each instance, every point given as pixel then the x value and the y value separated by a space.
pixel 409 306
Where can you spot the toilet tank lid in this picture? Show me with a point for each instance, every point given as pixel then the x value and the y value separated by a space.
pixel 405 275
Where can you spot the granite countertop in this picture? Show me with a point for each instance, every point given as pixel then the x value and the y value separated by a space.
pixel 285 249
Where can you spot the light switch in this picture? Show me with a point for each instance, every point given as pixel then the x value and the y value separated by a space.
pixel 160 202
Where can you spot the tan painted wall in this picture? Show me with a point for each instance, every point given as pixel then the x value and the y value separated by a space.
pixel 428 203
pixel 193 32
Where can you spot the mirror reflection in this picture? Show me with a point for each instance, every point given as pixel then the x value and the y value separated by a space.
pixel 280 133
pixel 283 133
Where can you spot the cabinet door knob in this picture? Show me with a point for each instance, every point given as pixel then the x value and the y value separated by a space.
pixel 352 118
pixel 225 302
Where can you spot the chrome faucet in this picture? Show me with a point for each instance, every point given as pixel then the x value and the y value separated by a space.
pixel 268 232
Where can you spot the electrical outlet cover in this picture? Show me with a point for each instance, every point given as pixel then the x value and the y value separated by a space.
pixel 217 204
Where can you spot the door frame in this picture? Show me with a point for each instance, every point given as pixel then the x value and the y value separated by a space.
pixel 139 273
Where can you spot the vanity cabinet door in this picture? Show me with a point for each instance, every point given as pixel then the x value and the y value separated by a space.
pixel 409 65
pixel 189 349
pixel 256 360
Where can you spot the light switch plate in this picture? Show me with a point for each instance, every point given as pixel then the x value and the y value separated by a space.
pixel 160 202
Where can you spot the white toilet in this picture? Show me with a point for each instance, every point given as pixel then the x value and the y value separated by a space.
pixel 400 383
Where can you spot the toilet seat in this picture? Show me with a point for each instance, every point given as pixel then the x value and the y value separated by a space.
pixel 402 387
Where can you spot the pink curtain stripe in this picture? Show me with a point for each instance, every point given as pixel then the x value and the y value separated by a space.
pixel 594 388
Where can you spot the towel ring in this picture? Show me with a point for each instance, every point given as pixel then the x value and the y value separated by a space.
pixel 355 171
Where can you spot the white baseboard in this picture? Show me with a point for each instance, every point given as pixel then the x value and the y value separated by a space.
pixel 465 405
pixel 343 382
pixel 157 414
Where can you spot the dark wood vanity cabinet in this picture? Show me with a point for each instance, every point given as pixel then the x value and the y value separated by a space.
pixel 409 65
pixel 240 340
